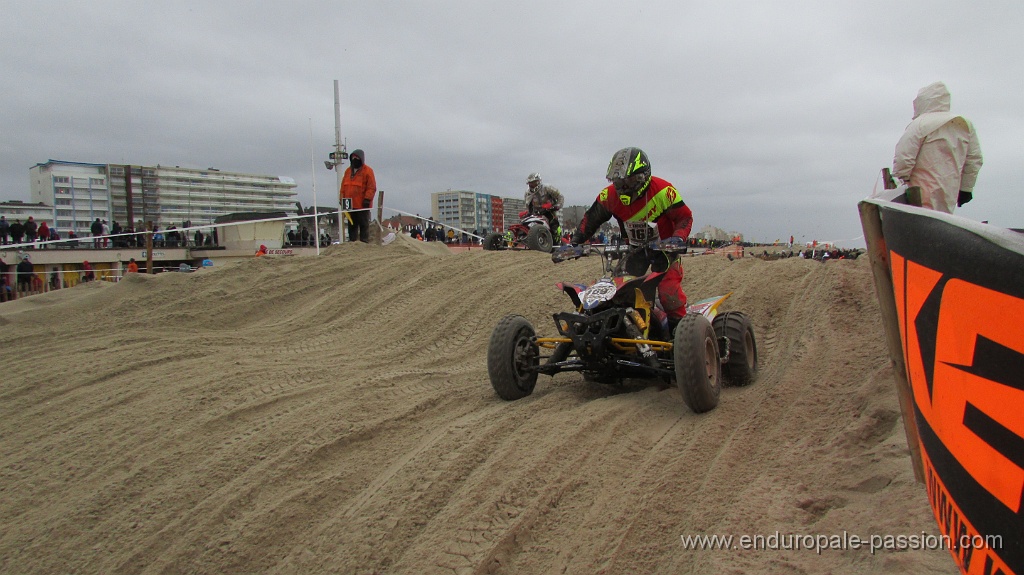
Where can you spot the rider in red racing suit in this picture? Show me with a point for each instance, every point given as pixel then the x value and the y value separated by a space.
pixel 637 199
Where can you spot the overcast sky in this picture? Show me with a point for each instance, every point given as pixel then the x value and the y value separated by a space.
pixel 772 118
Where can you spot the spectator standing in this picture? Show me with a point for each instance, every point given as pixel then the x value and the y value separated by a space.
pixel 117 241
pixel 97 230
pixel 87 272
pixel 5 229
pixel 359 184
pixel 939 152
pixel 43 232
pixel 31 230
pixel 26 272
pixel 17 231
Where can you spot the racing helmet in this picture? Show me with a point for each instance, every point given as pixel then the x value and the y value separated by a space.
pixel 533 180
pixel 629 170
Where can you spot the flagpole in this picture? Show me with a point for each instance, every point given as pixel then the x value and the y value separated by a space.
pixel 312 169
pixel 338 159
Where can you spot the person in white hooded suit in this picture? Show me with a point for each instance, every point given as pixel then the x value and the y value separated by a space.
pixel 939 152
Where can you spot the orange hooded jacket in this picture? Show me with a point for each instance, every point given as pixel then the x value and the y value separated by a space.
pixel 359 186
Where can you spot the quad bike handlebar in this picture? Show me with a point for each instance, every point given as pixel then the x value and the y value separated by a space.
pixel 671 246
pixel 571 252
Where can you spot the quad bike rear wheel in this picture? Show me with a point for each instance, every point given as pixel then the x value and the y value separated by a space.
pixel 539 239
pixel 512 357
pixel 697 363
pixel 493 241
pixel 742 364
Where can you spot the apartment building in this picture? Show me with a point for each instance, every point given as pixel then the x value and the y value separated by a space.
pixel 475 212
pixel 464 210
pixel 79 193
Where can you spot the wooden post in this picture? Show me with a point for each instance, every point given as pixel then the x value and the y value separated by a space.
pixel 380 218
pixel 878 255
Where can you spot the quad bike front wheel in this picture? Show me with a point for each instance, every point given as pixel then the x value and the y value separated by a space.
pixel 539 239
pixel 512 357
pixel 697 363
pixel 742 364
pixel 493 241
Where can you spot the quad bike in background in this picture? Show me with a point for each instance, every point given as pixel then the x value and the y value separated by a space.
pixel 533 232
pixel 618 331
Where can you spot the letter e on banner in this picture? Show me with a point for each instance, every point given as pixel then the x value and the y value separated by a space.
pixel 979 387
pixel 912 283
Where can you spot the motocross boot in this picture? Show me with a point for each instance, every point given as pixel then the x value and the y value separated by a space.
pixel 672 323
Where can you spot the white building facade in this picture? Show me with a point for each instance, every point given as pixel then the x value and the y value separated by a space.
pixel 80 193
pixel 475 212
pixel 77 193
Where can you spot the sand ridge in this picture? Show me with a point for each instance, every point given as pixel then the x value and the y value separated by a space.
pixel 333 415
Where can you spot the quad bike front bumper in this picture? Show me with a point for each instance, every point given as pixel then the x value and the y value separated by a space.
pixel 593 343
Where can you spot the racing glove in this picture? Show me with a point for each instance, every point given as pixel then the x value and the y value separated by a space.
pixel 567 252
pixel 673 243
pixel 963 198
pixel 547 205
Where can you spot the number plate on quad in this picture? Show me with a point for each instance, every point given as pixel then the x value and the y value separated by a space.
pixel 597 294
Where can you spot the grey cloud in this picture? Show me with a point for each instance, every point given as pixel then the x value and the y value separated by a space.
pixel 772 119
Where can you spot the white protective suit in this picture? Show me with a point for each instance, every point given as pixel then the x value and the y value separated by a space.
pixel 938 152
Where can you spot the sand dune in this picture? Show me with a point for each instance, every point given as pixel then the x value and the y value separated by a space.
pixel 334 415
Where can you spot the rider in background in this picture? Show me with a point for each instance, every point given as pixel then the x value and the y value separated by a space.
pixel 648 209
pixel 544 200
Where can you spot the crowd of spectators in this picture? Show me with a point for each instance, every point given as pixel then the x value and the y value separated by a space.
pixel 304 238
pixel 437 233
pixel 103 235
pixel 818 254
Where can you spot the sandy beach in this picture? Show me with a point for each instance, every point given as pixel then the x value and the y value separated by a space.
pixel 333 415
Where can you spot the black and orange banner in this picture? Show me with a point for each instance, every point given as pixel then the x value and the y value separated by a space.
pixel 958 289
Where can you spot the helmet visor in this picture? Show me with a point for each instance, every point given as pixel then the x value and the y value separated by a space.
pixel 618 167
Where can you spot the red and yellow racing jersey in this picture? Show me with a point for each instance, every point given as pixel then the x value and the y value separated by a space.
pixel 660 203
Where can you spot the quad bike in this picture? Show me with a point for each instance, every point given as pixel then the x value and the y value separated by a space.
pixel 533 232
pixel 618 332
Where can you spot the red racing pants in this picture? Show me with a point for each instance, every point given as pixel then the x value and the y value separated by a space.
pixel 670 290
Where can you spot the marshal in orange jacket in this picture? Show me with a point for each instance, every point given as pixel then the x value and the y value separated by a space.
pixel 359 187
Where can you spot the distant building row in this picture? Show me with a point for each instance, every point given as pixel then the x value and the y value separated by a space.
pixel 71 195
pixel 474 211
